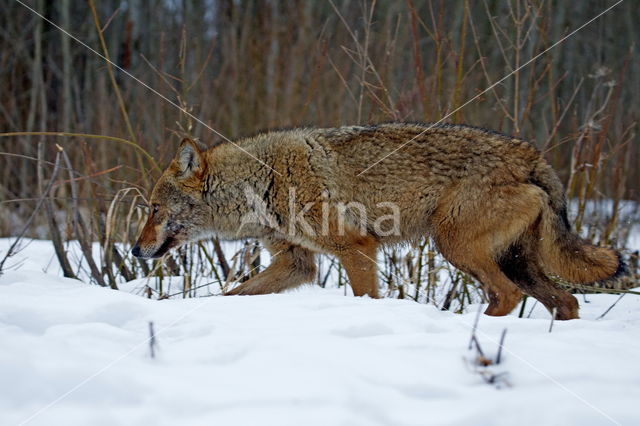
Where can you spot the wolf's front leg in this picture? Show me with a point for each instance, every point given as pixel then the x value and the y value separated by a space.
pixel 291 266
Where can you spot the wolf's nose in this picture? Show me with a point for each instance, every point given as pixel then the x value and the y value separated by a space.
pixel 135 251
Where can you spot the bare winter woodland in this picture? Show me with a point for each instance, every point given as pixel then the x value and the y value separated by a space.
pixel 82 141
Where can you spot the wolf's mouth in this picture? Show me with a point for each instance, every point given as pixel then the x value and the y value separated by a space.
pixel 168 244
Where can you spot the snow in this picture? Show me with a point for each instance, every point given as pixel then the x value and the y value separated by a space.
pixel 77 354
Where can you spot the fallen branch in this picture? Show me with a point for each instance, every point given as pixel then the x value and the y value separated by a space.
pixel 595 289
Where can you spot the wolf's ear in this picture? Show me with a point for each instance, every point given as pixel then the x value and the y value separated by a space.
pixel 189 157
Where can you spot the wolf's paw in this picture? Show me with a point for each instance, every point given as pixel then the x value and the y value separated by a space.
pixel 235 292
pixel 244 290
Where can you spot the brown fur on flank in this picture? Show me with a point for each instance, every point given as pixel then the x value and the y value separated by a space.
pixel 492 204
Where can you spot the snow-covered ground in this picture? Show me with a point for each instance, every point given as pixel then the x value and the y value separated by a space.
pixel 75 354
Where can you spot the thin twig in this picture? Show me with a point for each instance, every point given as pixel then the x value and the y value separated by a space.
pixel 611 307
pixel 13 249
pixel 88 136
pixel 554 312
pixel 502 337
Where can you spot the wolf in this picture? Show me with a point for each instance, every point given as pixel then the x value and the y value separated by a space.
pixel 491 203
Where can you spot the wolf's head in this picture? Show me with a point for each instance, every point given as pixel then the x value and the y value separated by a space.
pixel 178 214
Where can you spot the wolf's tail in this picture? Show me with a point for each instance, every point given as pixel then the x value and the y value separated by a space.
pixel 561 251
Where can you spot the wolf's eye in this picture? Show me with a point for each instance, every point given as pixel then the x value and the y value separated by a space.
pixel 155 208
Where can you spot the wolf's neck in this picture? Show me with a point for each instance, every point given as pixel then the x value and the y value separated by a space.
pixel 233 188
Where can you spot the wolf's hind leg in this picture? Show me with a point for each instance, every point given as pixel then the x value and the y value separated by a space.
pixel 520 264
pixel 502 293
pixel 472 226
pixel 291 266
